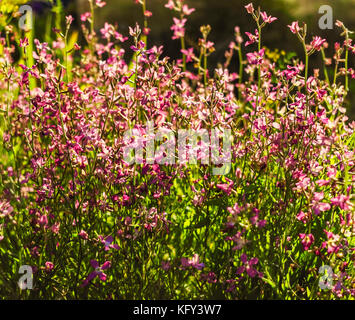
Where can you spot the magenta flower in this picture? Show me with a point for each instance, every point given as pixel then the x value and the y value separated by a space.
pixel 49 266
pixel 226 187
pixel 294 27
pixel 248 266
pixel 266 18
pixel 194 262
pixel 341 201
pixel 256 57
pixel 178 28
pixel 108 243
pixel 24 42
pixel 83 234
pixel 306 240
pixel 317 43
pixel 85 16
pixel 189 53
pixel 252 38
pixel 98 272
pixel 332 244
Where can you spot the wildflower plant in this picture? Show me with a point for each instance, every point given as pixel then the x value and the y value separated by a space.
pixel 91 225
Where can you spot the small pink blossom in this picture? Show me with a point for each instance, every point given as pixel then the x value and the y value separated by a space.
pixel 49 266
pixel 266 18
pixel 85 16
pixel 256 58
pixel 100 3
pixel 170 5
pixel 250 8
pixel 294 27
pixel 186 10
pixel 317 43
pixel 306 240
pixel 193 262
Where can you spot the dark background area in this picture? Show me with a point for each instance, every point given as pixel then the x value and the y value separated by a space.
pixel 223 16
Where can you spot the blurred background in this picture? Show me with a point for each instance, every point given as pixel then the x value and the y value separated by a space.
pixel 222 16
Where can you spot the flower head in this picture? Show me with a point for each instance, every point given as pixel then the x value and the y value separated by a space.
pixel 98 272
pixel 266 18
pixel 250 8
pixel 294 27
pixel 317 43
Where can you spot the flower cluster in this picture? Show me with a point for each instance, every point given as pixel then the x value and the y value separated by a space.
pixel 93 225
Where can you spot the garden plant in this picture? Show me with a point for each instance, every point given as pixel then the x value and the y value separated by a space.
pixel 94 221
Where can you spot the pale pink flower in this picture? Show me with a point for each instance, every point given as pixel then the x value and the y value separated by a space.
pixel 250 8
pixel 294 27
pixel 266 18
pixel 186 10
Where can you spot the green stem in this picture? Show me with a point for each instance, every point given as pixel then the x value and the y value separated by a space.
pixel 325 68
pixel 346 63
pixel 240 69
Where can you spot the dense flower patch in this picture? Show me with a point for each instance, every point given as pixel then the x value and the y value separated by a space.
pixel 91 225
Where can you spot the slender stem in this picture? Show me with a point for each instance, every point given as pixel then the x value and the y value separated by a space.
pixel 144 36
pixel 183 55
pixel 324 67
pixel 240 68
pixel 346 61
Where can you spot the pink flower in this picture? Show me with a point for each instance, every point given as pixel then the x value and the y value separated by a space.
pixel 302 217
pixel 193 262
pixel 85 16
pixel 69 19
pixel 170 5
pixel 98 272
pixel 100 3
pixel 189 53
pixel 49 266
pixel 248 266
pixel 252 38
pixel 108 243
pixel 83 235
pixel 24 42
pixel 178 28
pixel 294 27
pixel 186 10
pixel 250 8
pixel 317 43
pixel 266 18
pixel 5 208
pixel 341 201
pixel 226 187
pixel 321 207
pixel 256 57
pixel 332 244
pixel 306 240
pixel 148 13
